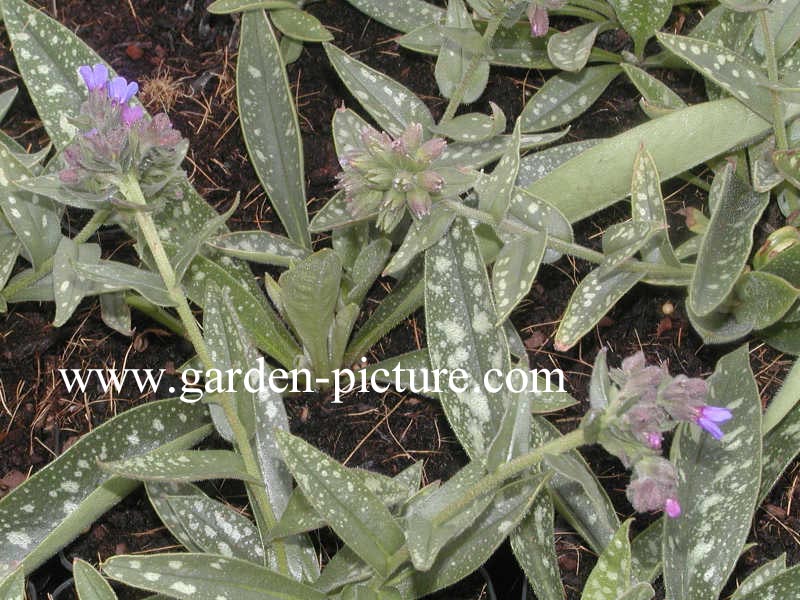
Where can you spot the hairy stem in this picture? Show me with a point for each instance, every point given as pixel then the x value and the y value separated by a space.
pixel 781 140
pixel 20 283
pixel 472 67
pixel 570 248
pixel 264 514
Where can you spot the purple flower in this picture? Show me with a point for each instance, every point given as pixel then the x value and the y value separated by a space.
pixel 708 417
pixel 95 77
pixel 131 114
pixel 654 439
pixel 539 20
pixel 120 91
pixel 673 508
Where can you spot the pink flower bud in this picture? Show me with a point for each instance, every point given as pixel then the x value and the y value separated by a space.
pixel 432 149
pixel 539 20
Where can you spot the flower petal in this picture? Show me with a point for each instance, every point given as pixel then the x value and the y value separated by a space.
pixel 716 413
pixel 711 427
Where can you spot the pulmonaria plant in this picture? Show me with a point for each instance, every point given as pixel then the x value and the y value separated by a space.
pixel 632 407
pixel 388 175
pixel 117 139
pixel 539 17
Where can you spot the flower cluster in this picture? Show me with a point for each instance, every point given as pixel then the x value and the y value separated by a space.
pixel 116 139
pixel 386 176
pixel 641 402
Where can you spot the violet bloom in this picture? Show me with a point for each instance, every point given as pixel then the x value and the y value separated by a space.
pixel 131 114
pixel 95 77
pixel 708 418
pixel 120 91
pixel 673 508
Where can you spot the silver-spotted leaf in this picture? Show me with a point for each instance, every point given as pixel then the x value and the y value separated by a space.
pixel 495 191
pixel 56 504
pixel 462 334
pixel 299 25
pixel 783 23
pixel 762 575
pixel 261 247
pixel 225 7
pixel 269 124
pixel 391 104
pixel 206 577
pixel 591 300
pixel 474 127
pixel 653 90
pixel 763 298
pixel 788 163
pixel 403 15
pixel 565 96
pixel 727 243
pixel 540 215
pixel 536 165
pixel 612 573
pixel 69 285
pixel 421 235
pixel 642 18
pixel 569 50
pixel 343 499
pixel 13 586
pixel 515 270
pixel 184 466
pixel 718 483
pixel 479 155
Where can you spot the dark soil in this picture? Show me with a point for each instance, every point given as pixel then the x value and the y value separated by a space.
pixel 184 59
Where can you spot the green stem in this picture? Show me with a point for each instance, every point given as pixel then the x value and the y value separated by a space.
pixel 156 313
pixel 576 250
pixel 133 193
pixel 781 140
pixel 20 283
pixel 581 13
pixel 509 470
pixel 472 67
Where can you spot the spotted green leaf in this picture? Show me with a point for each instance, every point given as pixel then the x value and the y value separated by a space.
pixel 639 591
pixel 9 250
pixel 642 18
pixel 474 127
pixel 299 25
pixel 206 577
pixel 58 503
pixel 184 466
pixel 718 483
pixel 455 62
pixel 13 587
pixel 783 22
pixel 541 216
pixel 344 500
pixel 460 322
pixel 252 309
pixel 727 243
pixel 621 241
pixel 421 235
pixel 781 446
pixel 111 275
pixel 403 15
pixel 472 548
pixel 217 528
pixel 159 493
pixel 261 247
pixel 533 542
pixel 601 175
pixel 35 219
pixel 762 166
pixel 788 163
pixel 591 300
pixel 565 96
pixel 763 298
pixel 569 50
pixel 225 7
pixel 116 313
pixel 310 292
pixel 761 576
pixel 646 553
pixel 269 124
pixel 612 573
pixel 515 270
pixel 483 153
pixel 653 91
pixel 736 74
pixel 69 285
pixel 343 569
pixel 647 206
pixel 718 327
pixel 391 104
pixel 495 191
pixel 426 535
pixel 336 214
pixel 368 265
pixel 89 584
pixel 536 165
